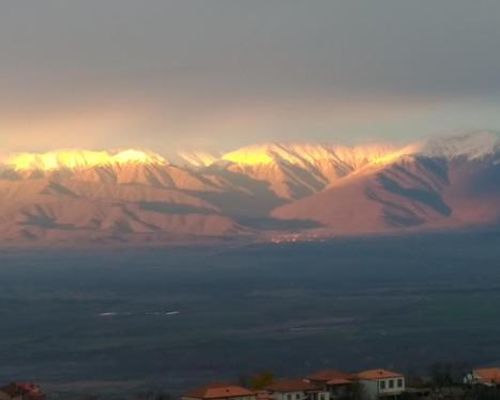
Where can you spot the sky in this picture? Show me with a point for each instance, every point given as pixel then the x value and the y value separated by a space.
pixel 218 74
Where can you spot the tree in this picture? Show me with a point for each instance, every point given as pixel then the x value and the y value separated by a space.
pixel 261 380
pixel 441 374
pixel 163 396
pixel 448 374
pixel 358 392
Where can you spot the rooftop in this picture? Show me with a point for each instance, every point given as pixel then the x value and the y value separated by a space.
pixel 375 374
pixel 339 381
pixel 291 385
pixel 329 375
pixel 219 391
pixel 488 375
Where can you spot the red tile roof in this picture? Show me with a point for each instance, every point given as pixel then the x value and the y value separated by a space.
pixel 263 395
pixel 339 381
pixel 292 385
pixel 328 375
pixel 219 391
pixel 488 375
pixel 375 374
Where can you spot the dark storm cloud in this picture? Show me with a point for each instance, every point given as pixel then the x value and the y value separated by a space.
pixel 209 55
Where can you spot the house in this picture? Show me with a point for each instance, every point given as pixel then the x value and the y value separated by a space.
pixel 484 376
pixel 324 376
pixel 379 383
pixel 263 395
pixel 296 389
pixel 336 383
pixel 220 391
pixel 21 391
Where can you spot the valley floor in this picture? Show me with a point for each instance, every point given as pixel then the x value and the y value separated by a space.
pixel 183 316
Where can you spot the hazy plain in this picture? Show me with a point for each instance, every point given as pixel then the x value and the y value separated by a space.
pixel 172 318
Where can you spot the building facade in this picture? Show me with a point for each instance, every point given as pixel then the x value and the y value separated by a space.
pixel 220 392
pixel 381 383
pixel 336 383
pixel 296 389
pixel 483 376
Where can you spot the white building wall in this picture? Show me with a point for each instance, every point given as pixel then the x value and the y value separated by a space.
pixel 370 388
pixel 288 396
pixel 232 398
pixel 382 387
pixel 299 395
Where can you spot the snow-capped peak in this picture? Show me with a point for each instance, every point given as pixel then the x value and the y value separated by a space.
pixel 306 155
pixel 472 145
pixel 310 154
pixel 266 153
pixel 76 159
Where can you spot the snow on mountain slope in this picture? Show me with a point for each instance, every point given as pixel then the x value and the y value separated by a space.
pixel 306 154
pixel 389 198
pixel 79 159
pixel 469 145
pixel 135 195
pixel 197 158
pixel 414 192
pixel 149 171
pixel 296 170
pixel 291 171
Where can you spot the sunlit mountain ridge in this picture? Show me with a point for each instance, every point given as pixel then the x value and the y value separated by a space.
pixel 79 158
pixel 471 145
pixel 260 192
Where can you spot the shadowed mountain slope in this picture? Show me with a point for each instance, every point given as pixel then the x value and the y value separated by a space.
pixel 255 192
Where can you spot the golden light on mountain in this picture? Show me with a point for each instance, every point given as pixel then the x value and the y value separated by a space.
pixel 259 192
pixel 73 158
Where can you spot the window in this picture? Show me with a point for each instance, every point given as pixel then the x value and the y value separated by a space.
pixel 297 396
pixel 382 385
pixel 322 396
pixel 391 383
pixel 400 383
pixel 288 397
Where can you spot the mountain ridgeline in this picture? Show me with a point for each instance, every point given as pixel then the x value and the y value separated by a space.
pixel 261 192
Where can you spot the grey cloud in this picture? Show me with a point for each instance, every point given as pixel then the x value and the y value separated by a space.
pixel 258 48
pixel 205 55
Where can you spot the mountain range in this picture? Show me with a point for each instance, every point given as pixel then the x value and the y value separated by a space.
pixel 270 192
